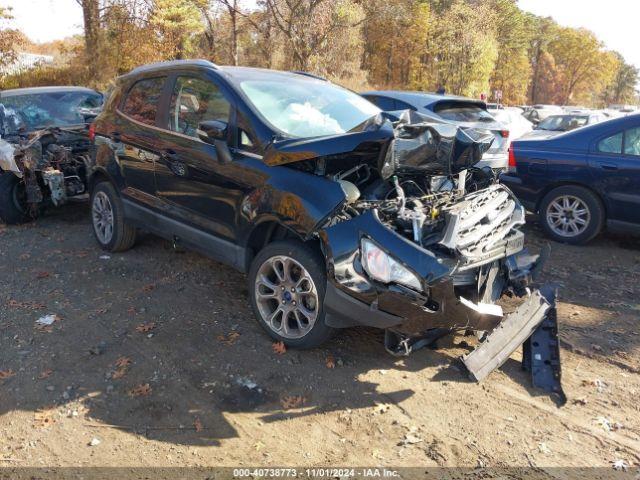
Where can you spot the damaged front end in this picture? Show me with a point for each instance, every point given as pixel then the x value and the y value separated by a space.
pixel 425 245
pixel 50 163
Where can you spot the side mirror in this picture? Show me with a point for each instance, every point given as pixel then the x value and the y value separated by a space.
pixel 215 133
pixel 212 130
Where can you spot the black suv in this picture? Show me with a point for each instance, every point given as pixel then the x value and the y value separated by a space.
pixel 340 214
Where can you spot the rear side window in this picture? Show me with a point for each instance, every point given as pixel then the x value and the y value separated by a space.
pixel 632 142
pixel 143 99
pixel 464 114
pixel 612 144
pixel 195 100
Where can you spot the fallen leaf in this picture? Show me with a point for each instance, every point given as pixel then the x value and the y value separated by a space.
pixel 197 424
pixel 41 275
pixel 100 311
pixel 44 418
pixel 131 310
pixel 229 339
pixel 330 362
pixel 45 374
pixel 141 390
pixel 122 365
pixel 25 256
pixel 6 374
pixel 123 362
pixel 145 327
pixel 292 401
pixel 279 348
pixel 148 288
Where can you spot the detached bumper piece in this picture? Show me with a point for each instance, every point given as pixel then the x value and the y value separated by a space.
pixel 533 325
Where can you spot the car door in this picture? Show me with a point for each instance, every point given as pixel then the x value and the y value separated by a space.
pixel 134 137
pixel 615 164
pixel 195 185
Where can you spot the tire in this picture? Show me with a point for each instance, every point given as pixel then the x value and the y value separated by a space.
pixel 571 214
pixel 300 323
pixel 13 205
pixel 106 207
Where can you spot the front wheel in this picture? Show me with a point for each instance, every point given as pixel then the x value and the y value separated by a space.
pixel 571 214
pixel 14 208
pixel 287 283
pixel 109 226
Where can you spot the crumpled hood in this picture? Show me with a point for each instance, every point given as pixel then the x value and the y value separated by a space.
pixel 408 143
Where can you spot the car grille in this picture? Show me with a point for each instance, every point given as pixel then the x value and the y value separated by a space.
pixel 481 222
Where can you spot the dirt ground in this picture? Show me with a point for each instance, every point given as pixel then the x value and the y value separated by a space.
pixel 154 359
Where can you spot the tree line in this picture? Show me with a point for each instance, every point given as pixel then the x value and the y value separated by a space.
pixel 467 47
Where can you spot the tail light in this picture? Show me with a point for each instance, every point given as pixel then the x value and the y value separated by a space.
pixel 504 133
pixel 512 159
pixel 92 132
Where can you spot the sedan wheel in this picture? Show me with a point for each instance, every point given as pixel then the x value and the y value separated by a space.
pixel 568 216
pixel 286 297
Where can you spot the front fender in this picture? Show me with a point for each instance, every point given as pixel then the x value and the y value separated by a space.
pixel 293 198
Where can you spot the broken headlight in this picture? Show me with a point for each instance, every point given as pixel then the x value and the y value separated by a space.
pixel 384 268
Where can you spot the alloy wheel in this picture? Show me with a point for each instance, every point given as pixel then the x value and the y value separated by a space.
pixel 102 213
pixel 568 216
pixel 286 297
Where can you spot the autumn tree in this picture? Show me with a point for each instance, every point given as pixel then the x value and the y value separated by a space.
pixel 512 70
pixel 584 66
pixel 10 38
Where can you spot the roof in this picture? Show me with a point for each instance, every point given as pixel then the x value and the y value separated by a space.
pixel 423 99
pixel 40 90
pixel 171 65
pixel 233 73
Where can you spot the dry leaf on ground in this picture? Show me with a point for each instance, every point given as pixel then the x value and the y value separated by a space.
pixel 122 365
pixel 45 374
pixel 279 348
pixel 148 288
pixel 141 390
pixel 44 418
pixel 145 327
pixel 330 361
pixel 197 424
pixel 6 374
pixel 41 275
pixel 229 339
pixel 292 401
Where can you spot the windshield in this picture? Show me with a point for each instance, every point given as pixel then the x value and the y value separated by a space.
pixel 58 109
pixel 562 123
pixel 308 108
pixel 465 114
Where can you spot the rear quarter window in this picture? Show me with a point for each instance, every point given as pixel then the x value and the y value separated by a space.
pixel 142 100
pixel 612 144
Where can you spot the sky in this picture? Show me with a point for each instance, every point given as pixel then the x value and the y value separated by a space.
pixel 613 21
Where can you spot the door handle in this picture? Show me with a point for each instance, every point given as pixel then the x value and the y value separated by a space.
pixel 608 166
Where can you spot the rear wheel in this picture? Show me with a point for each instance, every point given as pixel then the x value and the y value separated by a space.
pixel 109 226
pixel 13 199
pixel 571 214
pixel 287 283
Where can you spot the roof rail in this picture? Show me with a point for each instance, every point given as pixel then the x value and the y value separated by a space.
pixel 172 64
pixel 307 74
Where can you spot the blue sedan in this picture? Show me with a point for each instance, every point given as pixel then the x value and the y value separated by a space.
pixel 582 180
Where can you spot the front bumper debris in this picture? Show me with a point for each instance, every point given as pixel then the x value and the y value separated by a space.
pixel 533 325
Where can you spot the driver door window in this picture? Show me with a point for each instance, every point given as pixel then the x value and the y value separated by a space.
pixel 195 100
